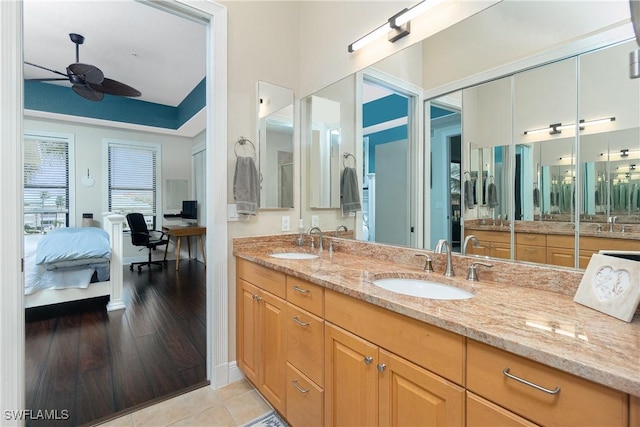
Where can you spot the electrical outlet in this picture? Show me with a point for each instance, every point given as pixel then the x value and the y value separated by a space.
pixel 286 223
pixel 315 221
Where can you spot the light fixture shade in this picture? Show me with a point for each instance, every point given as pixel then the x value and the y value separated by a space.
pixel 373 35
pixel 416 10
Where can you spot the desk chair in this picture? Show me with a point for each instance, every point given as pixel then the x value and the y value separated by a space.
pixel 141 236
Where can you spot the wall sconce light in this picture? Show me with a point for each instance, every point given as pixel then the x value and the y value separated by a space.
pixel 396 27
pixel 557 128
pixel 623 153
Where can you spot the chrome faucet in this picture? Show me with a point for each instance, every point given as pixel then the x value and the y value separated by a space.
pixel 612 221
pixel 340 227
pixel 445 243
pixel 311 230
pixel 470 238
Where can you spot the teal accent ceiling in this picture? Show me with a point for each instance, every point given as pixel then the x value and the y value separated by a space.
pixel 62 100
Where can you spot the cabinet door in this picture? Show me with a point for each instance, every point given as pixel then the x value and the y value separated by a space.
pixel 351 379
pixel 272 374
pixel 482 413
pixel 247 334
pixel 561 256
pixel 412 396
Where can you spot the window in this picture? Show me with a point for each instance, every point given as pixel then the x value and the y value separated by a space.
pixel 133 179
pixel 48 182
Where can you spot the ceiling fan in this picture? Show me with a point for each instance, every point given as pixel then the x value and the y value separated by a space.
pixel 88 81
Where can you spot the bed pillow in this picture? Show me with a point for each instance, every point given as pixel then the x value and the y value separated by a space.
pixel 73 243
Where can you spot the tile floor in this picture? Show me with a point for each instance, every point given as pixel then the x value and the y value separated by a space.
pixel 233 405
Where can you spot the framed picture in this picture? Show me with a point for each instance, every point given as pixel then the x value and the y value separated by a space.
pixel 611 285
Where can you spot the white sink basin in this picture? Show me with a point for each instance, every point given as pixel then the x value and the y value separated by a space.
pixel 294 255
pixel 423 289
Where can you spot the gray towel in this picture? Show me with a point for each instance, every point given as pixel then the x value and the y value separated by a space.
pixel 468 194
pixel 246 186
pixel 492 195
pixel 349 191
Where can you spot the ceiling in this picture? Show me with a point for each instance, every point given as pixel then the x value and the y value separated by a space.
pixel 158 53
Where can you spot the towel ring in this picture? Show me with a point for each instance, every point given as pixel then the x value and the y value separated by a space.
pixel 345 158
pixel 242 142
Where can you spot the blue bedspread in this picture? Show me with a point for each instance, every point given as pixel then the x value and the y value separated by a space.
pixel 63 247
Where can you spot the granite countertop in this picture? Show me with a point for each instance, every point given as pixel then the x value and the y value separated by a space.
pixel 519 317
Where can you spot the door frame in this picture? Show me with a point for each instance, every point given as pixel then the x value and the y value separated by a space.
pixel 12 327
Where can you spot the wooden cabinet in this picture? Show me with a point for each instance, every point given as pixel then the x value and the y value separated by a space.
pixel 496 244
pixel 482 413
pixel 531 247
pixel 634 411
pixel 366 386
pixel 557 399
pixel 261 332
pixel 411 396
pixel 304 400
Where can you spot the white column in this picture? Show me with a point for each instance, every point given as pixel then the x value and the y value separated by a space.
pixel 113 225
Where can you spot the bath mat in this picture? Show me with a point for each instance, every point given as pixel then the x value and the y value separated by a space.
pixel 270 420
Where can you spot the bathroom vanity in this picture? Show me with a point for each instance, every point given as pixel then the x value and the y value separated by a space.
pixel 326 346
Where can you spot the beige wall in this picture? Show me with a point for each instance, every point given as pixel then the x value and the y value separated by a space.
pixel 303 45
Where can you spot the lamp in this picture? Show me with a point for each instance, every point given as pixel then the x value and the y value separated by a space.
pixel 557 128
pixel 397 27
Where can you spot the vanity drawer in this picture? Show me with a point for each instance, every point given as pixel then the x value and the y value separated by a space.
pixel 305 400
pixel 531 253
pixel 270 280
pixel 493 236
pixel 305 342
pixel 306 295
pixel 482 413
pixel 578 403
pixel 425 345
pixel 531 239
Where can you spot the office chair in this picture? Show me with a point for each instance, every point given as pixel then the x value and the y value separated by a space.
pixel 141 236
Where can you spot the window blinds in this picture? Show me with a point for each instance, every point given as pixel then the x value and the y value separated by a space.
pixel 132 179
pixel 46 181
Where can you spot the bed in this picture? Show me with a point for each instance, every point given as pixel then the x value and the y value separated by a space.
pixel 72 264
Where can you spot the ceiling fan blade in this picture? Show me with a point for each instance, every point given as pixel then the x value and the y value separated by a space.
pixel 47 69
pixel 88 93
pixel 113 87
pixel 88 73
pixel 46 80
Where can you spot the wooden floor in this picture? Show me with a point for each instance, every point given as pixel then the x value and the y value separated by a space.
pixel 93 363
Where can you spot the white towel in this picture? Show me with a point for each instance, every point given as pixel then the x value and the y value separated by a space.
pixel 349 191
pixel 246 186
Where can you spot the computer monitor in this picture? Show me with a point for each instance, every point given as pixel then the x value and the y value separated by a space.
pixel 189 211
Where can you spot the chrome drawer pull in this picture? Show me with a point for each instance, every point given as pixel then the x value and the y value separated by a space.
pixel 368 360
pixel 529 383
pixel 300 389
pixel 300 322
pixel 299 289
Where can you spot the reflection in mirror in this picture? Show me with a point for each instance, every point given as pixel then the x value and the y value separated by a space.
pixel 275 135
pixel 446 156
pixel 327 133
pixel 324 152
pixel 495 148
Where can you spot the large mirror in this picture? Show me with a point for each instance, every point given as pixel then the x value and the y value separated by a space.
pixel 275 141
pixel 548 150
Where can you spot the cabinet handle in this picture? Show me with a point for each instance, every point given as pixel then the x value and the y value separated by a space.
pixel 381 367
pixel 529 383
pixel 299 289
pixel 300 389
pixel 255 297
pixel 258 298
pixel 530 250
pixel 368 360
pixel 300 322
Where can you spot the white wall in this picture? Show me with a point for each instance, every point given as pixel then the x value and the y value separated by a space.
pixel 176 164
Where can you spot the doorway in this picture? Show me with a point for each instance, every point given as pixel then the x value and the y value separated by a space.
pixel 12 326
pixel 388 140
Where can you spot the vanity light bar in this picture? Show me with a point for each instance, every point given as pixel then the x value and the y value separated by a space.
pixel 397 26
pixel 623 153
pixel 557 128
pixel 373 35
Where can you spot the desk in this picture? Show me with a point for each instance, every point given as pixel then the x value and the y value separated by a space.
pixel 180 231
